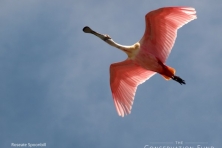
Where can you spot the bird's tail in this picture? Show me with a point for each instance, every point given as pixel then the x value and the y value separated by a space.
pixel 169 72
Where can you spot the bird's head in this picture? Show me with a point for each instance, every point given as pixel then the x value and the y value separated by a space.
pixel 103 37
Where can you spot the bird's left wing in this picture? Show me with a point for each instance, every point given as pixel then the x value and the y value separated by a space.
pixel 125 76
pixel 161 29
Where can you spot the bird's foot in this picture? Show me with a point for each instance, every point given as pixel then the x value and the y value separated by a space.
pixel 178 79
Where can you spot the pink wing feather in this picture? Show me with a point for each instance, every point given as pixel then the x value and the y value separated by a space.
pixel 161 29
pixel 124 78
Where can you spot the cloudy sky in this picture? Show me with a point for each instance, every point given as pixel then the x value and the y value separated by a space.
pixel 54 79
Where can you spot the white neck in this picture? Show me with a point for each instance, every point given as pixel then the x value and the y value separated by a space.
pixel 131 51
pixel 119 46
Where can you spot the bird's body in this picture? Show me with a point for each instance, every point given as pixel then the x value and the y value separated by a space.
pixel 146 57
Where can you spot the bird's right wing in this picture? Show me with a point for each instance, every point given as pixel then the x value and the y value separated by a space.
pixel 161 29
pixel 125 76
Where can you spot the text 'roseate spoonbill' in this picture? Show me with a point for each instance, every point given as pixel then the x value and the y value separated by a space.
pixel 146 57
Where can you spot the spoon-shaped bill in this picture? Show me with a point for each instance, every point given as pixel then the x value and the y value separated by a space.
pixel 87 29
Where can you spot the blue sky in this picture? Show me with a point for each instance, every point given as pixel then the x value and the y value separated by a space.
pixel 55 79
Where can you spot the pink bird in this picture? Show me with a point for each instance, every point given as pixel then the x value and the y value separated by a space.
pixel 146 57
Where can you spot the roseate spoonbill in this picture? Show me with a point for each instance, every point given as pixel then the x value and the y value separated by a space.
pixel 146 57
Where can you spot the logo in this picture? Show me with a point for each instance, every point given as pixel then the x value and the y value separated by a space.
pixel 178 144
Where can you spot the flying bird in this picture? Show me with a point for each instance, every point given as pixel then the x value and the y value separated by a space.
pixel 146 57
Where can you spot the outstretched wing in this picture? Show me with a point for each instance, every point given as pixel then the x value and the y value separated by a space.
pixel 161 29
pixel 124 78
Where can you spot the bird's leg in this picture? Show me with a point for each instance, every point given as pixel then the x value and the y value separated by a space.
pixel 169 72
pixel 178 79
